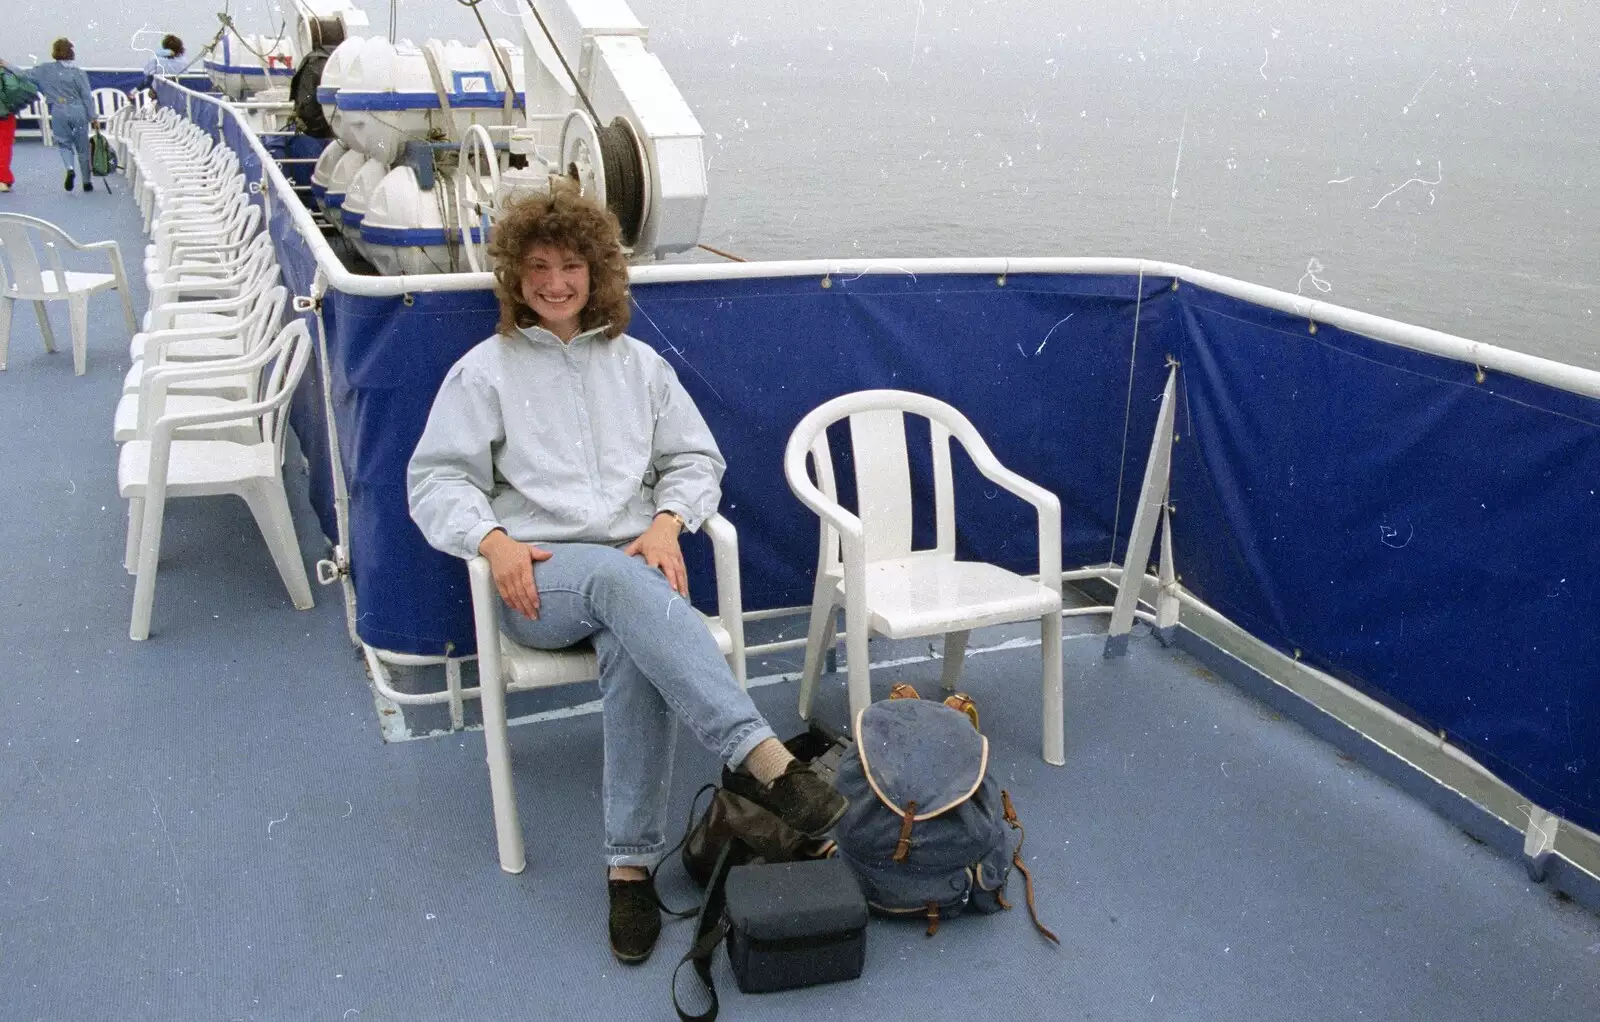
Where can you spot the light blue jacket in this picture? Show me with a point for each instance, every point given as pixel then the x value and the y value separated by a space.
pixel 164 63
pixel 583 442
pixel 65 85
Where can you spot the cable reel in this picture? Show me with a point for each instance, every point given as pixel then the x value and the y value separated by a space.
pixel 608 165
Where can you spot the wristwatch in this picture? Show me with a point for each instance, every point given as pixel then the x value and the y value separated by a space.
pixel 683 526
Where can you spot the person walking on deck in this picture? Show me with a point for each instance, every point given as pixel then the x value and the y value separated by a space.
pixel 66 87
pixel 16 93
pixel 569 455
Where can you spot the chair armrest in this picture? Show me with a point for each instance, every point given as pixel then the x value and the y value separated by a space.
pixel 852 538
pixel 169 311
pixel 730 594
pixel 161 294
pixel 166 335
pixel 1047 504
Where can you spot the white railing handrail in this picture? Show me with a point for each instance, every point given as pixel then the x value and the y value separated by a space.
pixel 1406 335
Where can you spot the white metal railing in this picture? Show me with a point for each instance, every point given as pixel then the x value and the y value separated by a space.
pixel 1406 335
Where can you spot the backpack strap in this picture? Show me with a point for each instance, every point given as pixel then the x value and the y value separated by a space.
pixel 902 848
pixel 709 929
pixel 1016 860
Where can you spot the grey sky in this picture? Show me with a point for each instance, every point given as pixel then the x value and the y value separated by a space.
pixel 1549 32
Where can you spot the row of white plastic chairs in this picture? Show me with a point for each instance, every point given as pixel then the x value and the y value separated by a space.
pixel 204 408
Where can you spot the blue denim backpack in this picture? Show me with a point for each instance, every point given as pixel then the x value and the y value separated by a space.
pixel 928 832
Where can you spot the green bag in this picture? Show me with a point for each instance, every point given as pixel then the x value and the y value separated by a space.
pixel 102 158
pixel 16 92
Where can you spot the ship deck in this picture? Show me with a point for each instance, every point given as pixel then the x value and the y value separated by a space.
pixel 209 825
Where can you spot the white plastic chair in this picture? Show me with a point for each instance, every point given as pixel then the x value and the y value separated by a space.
pixel 865 562
pixel 505 667
pixel 39 112
pixel 199 303
pixel 23 278
pixel 107 102
pixel 149 472
pixel 169 387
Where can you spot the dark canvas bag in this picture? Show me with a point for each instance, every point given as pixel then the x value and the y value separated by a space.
pixel 792 915
pixel 788 925
pixel 928 832
pixel 733 813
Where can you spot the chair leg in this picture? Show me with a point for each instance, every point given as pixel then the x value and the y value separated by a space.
pixel 130 553
pixel 43 316
pixel 818 641
pixel 859 669
pixel 1055 752
pixel 78 315
pixel 497 748
pixel 127 305
pixel 144 586
pixel 7 305
pixel 955 655
pixel 270 505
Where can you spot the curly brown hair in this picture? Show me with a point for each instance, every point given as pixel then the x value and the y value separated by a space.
pixel 61 49
pixel 566 220
pixel 172 44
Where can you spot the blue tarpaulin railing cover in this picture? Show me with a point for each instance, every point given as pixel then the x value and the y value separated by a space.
pixel 1416 529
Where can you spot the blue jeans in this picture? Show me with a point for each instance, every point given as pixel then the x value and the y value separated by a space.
pixel 72 142
pixel 658 663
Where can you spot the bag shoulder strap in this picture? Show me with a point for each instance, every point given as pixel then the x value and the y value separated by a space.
pixel 694 805
pixel 1027 878
pixel 709 929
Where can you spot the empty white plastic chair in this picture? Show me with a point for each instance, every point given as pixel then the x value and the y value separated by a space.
pixel 865 562
pixel 107 102
pixel 183 387
pixel 505 666
pixel 23 277
pixel 149 472
pixel 39 112
pixel 173 306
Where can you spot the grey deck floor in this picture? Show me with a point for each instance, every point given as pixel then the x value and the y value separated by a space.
pixel 207 825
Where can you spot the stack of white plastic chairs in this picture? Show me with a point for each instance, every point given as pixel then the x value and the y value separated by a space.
pixel 204 408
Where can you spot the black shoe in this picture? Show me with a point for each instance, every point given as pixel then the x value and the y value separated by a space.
pixel 88 186
pixel 803 800
pixel 72 176
pixel 635 919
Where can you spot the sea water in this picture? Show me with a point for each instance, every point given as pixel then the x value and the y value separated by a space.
pixel 1428 160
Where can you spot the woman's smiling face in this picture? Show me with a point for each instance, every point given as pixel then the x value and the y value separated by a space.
pixel 555 284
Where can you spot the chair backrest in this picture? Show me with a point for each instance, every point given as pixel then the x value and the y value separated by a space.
pixel 882 468
pixel 108 102
pixel 263 322
pixel 262 340
pixel 22 240
pixel 282 377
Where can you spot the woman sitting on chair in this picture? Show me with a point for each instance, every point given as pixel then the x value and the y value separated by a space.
pixel 564 432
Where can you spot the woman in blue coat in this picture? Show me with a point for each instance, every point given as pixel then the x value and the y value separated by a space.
pixel 66 87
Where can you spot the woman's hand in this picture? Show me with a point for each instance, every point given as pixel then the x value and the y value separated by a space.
pixel 512 564
pixel 659 548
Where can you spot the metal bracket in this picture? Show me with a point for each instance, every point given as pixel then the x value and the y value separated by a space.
pixel 333 569
pixel 1539 842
